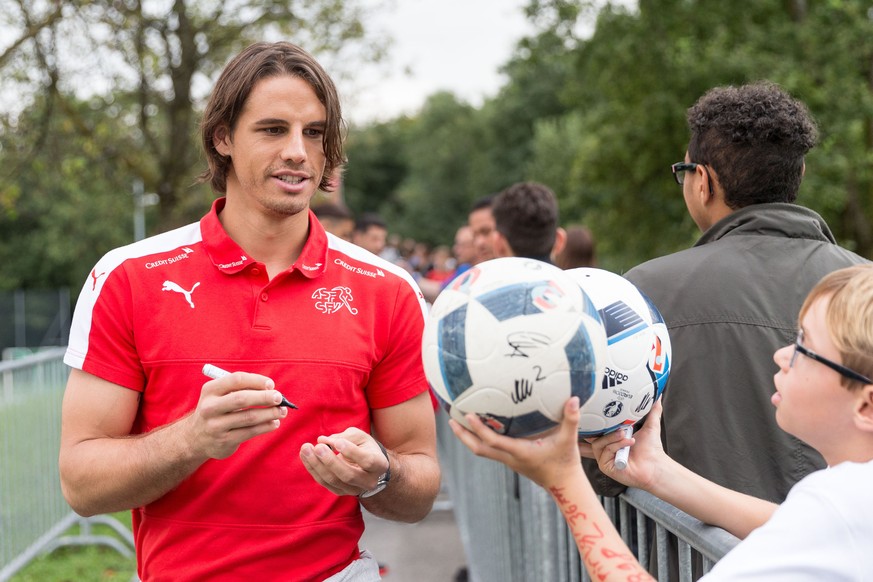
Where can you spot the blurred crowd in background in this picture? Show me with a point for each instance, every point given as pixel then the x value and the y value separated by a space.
pixel 434 266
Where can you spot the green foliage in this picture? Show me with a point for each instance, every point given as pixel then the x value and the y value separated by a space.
pixel 377 166
pixel 170 53
pixel 442 148
pixel 62 198
pixel 74 142
pixel 670 52
pixel 421 174
pixel 834 56
pixel 539 74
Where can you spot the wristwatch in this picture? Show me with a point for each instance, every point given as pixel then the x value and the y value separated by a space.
pixel 382 483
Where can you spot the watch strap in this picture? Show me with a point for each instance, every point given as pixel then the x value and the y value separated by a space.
pixel 383 479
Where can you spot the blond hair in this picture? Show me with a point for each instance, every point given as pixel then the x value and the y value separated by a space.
pixel 849 316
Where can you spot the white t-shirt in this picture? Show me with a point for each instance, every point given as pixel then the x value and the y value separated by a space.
pixel 823 532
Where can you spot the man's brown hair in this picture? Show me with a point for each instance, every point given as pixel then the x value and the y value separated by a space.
pixel 235 84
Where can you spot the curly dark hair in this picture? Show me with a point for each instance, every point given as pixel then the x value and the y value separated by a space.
pixel 526 214
pixel 754 138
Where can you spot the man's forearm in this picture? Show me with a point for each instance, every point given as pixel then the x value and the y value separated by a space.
pixel 104 475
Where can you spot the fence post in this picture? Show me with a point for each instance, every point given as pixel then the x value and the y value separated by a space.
pixel 33 513
pixel 19 318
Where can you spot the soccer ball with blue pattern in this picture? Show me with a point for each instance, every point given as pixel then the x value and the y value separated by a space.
pixel 638 353
pixel 510 340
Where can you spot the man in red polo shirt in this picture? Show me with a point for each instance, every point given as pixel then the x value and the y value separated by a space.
pixel 224 483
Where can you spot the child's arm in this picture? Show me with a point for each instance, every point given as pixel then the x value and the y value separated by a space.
pixel 650 469
pixel 553 463
pixel 604 553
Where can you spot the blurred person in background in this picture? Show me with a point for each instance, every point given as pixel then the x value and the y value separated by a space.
pixel 391 252
pixel 464 254
pixel 463 250
pixel 370 233
pixel 442 265
pixel 419 259
pixel 579 250
pixel 481 221
pixel 526 223
pixel 335 219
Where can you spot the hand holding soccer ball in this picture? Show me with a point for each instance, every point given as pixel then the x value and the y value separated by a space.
pixel 547 460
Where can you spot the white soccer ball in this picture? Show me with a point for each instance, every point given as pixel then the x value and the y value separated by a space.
pixel 511 340
pixel 638 353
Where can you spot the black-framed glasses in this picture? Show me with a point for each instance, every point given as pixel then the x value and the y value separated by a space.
pixel 679 169
pixel 839 368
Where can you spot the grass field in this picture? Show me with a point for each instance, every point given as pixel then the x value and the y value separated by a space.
pixel 82 564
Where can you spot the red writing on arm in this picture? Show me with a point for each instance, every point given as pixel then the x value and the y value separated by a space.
pixel 558 494
pixel 606 557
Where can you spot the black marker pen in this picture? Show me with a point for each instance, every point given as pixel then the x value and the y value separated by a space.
pixel 215 373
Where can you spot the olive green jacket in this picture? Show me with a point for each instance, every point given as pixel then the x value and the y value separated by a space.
pixel 730 302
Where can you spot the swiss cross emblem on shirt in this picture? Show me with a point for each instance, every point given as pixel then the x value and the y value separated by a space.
pixel 332 300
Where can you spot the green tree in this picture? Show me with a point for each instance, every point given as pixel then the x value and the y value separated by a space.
pixel 377 165
pixel 831 69
pixel 63 201
pixel 102 93
pixel 626 128
pixel 538 73
pixel 158 60
pixel 635 76
pixel 443 155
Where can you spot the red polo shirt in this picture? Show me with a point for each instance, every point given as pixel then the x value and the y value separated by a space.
pixel 339 332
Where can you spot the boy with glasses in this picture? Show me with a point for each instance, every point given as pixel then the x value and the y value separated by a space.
pixel 824 529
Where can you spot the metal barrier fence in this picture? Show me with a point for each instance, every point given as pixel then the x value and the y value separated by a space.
pixel 34 317
pixel 511 529
pixel 33 512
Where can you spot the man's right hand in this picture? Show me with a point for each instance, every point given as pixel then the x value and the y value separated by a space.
pixel 232 410
pixel 104 468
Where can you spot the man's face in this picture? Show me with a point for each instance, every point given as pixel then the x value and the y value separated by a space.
pixel 691 188
pixel 373 239
pixel 276 150
pixel 482 223
pixel 341 227
pixel 464 249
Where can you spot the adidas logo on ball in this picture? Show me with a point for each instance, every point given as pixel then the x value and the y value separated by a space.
pixel 612 378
